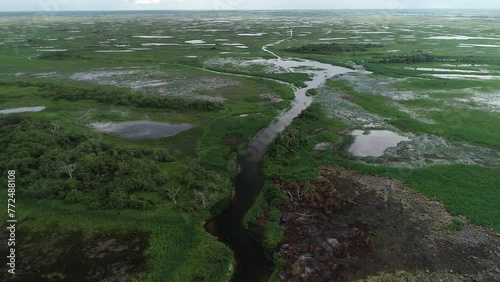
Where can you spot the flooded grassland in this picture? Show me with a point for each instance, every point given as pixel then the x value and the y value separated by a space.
pixel 400 148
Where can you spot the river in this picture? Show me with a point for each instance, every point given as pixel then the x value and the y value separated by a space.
pixel 251 264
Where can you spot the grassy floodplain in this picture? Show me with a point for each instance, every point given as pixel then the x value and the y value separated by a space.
pixel 82 86
pixel 433 78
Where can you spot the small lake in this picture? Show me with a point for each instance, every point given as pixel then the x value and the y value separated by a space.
pixel 114 51
pixel 23 110
pixel 52 50
pixel 160 44
pixel 251 34
pixel 141 129
pixel 374 143
pixel 196 41
pixel 152 36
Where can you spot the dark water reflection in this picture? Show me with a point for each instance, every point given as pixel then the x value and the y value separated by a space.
pixel 251 264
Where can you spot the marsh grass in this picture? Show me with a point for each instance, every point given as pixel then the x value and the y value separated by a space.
pixel 469 190
pixel 460 125
pixel 178 247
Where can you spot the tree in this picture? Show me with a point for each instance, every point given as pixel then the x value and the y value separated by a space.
pixel 69 169
pixel 203 199
pixel 54 127
pixel 172 194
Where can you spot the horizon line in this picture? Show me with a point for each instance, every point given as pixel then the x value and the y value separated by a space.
pixel 240 10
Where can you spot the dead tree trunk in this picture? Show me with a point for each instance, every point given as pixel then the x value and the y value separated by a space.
pixel 203 200
pixel 172 194
pixel 69 169
pixel 55 127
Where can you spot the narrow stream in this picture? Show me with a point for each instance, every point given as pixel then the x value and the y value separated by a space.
pixel 251 264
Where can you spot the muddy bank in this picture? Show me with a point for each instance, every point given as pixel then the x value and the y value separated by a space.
pixel 347 226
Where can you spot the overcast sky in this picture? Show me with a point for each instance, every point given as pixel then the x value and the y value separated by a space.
pixel 64 5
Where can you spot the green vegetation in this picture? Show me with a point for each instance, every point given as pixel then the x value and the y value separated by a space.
pixel 62 56
pixel 72 176
pixel 475 126
pixel 469 190
pixel 291 154
pixel 79 187
pixel 290 159
pixel 312 92
pixel 222 139
pixel 456 225
pixel 127 98
pixel 75 168
pixel 328 48
pixel 420 56
pixel 297 79
pixel 450 86
pixel 165 188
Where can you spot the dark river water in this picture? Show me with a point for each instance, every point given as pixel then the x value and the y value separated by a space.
pixel 251 264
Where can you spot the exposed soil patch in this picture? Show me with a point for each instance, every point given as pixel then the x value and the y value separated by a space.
pixel 374 228
pixel 56 255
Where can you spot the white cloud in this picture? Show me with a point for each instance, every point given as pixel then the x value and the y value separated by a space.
pixel 146 2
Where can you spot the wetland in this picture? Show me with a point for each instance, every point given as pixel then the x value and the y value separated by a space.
pixel 253 146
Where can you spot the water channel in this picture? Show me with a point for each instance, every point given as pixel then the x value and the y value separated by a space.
pixel 251 264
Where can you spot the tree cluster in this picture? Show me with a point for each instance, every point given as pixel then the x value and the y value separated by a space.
pixel 200 188
pixel 125 97
pixel 420 56
pixel 61 56
pixel 284 147
pixel 54 164
pixel 329 48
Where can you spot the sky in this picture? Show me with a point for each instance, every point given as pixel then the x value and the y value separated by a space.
pixel 71 5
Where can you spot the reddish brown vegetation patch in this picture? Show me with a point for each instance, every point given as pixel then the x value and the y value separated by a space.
pixel 348 226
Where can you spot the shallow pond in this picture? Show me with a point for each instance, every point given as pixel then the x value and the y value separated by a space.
pixel 114 51
pixel 478 45
pixel 141 129
pixel 52 50
pixel 23 110
pixel 461 37
pixel 374 143
pixel 152 36
pixel 196 41
pixel 160 44
pixel 467 76
pixel 251 34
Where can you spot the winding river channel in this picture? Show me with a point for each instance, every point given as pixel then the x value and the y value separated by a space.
pixel 251 264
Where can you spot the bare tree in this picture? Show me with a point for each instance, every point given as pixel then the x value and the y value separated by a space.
pixel 55 127
pixel 203 200
pixel 290 196
pixel 172 194
pixel 301 192
pixel 69 169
